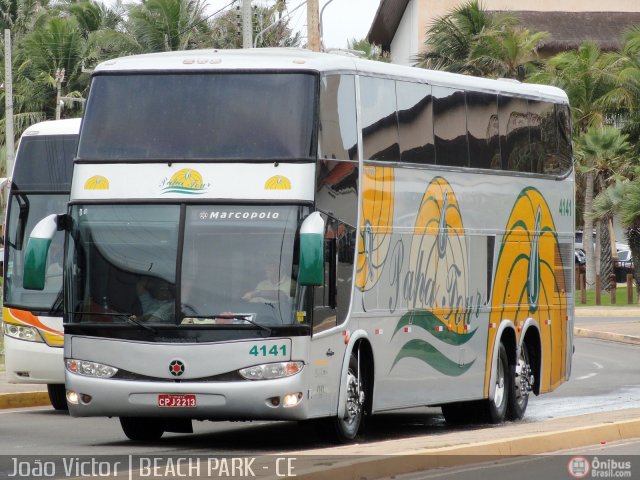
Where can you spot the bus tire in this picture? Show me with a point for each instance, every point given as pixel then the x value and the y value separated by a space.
pixel 58 396
pixel 496 408
pixel 142 429
pixel 345 429
pixel 521 379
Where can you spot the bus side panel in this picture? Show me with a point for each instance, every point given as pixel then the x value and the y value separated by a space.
pixel 530 284
pixel 415 296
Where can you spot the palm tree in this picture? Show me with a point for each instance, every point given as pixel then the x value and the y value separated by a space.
pixel 450 38
pixel 602 154
pixel 507 52
pixel 54 45
pixel 104 29
pixel 20 16
pixel 605 206
pixel 623 100
pixel 582 74
pixel 270 29
pixel 370 51
pixel 166 25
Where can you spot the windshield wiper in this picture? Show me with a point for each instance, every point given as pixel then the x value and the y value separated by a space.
pixel 245 317
pixel 129 317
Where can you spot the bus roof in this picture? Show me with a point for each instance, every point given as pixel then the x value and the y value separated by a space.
pixel 282 59
pixel 68 126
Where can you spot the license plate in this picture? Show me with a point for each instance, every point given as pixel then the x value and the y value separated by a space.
pixel 169 400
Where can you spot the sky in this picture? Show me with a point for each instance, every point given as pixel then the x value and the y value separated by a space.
pixel 342 20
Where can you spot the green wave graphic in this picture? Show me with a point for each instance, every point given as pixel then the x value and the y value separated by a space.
pixel 185 190
pixel 428 321
pixel 430 355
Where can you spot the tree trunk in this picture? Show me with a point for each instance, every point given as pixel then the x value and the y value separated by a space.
pixel 606 255
pixel 633 237
pixel 587 232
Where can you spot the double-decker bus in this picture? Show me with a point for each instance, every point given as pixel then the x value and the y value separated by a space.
pixel 280 234
pixel 40 185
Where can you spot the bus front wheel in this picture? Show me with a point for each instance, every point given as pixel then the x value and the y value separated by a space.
pixel 344 429
pixel 142 429
pixel 58 396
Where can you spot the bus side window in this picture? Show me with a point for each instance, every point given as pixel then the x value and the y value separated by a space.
pixel 514 134
pixel 415 120
pixel 564 138
pixel 379 119
pixel 450 127
pixel 482 130
pixel 324 296
pixel 332 300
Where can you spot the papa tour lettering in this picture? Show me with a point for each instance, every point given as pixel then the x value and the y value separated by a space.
pixel 218 215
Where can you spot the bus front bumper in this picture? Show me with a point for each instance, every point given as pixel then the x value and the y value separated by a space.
pixel 238 400
pixel 31 362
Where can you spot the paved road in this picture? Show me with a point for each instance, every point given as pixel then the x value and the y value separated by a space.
pixel 617 457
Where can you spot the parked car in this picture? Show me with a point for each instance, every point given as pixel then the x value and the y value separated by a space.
pixel 581 258
pixel 624 265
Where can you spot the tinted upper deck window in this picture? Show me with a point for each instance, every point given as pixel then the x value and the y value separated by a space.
pixel 379 119
pixel 45 163
pixel 482 128
pixel 199 116
pixel 415 119
pixel 450 127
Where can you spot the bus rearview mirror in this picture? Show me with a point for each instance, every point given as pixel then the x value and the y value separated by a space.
pixel 311 262
pixel 35 257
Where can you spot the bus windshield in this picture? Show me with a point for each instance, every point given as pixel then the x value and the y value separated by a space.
pixel 199 116
pixel 185 266
pixel 25 210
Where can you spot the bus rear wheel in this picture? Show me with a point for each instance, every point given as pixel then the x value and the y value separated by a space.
pixel 521 383
pixel 142 429
pixel 495 409
pixel 58 396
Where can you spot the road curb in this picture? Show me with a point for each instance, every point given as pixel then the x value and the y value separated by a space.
pixel 631 311
pixel 24 399
pixel 425 459
pixel 613 337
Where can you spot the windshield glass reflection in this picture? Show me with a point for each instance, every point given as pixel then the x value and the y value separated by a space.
pixel 237 266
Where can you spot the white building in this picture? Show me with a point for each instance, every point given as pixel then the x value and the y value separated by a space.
pixel 400 25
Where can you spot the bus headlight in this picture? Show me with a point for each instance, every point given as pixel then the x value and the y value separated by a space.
pixel 90 369
pixel 22 332
pixel 269 371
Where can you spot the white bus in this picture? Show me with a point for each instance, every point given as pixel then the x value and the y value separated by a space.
pixel 40 185
pixel 280 234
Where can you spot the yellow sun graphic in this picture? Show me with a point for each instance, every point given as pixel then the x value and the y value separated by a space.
pixel 278 182
pixel 529 284
pixel 97 182
pixel 376 226
pixel 439 249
